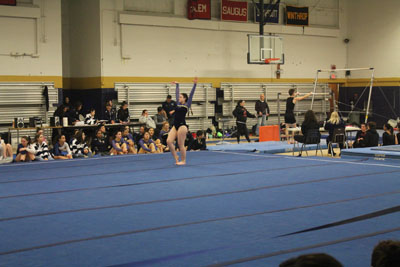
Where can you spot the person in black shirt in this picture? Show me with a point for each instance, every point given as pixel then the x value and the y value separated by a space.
pixel 169 107
pixel 200 142
pixel 371 137
pixel 262 112
pixel 360 136
pixel 334 122
pixel 123 113
pixel 241 115
pixel 74 114
pixel 290 119
pixel 100 144
pixel 388 137
pixel 110 115
pixel 310 123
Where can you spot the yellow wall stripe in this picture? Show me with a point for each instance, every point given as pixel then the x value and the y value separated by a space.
pixel 58 80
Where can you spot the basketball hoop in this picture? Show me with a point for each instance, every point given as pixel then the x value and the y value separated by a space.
pixel 268 60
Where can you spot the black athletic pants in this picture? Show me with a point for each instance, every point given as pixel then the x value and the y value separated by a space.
pixel 242 130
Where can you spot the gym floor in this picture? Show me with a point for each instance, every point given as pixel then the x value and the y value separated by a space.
pixel 221 208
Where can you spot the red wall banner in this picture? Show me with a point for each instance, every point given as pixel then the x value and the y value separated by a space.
pixel 8 2
pixel 232 10
pixel 199 9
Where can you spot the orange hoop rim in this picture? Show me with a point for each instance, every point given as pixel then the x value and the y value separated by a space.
pixel 268 60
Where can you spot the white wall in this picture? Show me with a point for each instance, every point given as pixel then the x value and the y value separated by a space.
pixel 31 30
pixel 374 33
pixel 158 46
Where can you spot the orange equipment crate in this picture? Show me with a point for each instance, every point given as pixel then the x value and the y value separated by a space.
pixel 269 133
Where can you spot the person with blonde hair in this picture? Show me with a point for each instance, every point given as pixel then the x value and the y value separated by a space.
pixel 334 122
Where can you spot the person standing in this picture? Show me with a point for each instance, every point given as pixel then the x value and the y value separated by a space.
pixel 169 107
pixel 262 110
pixel 290 119
pixel 241 114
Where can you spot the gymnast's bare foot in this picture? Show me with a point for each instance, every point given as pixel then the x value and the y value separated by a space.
pixel 181 163
pixel 177 159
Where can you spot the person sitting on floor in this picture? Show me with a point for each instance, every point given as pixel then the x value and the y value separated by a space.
pixel 40 149
pixel 22 150
pixel 164 135
pixel 312 260
pixel 6 153
pixel 189 140
pixel 139 135
pixel 79 147
pixel 128 139
pixel 371 137
pixel 334 122
pixel 310 123
pixel 386 254
pixel 360 136
pixel 61 149
pixel 200 142
pixel 156 140
pixel 90 119
pixel 147 145
pixel 100 144
pixel 388 137
pixel 119 146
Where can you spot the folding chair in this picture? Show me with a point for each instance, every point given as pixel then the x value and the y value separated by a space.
pixel 313 138
pixel 339 137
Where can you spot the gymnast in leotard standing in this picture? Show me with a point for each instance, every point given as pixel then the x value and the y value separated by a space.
pixel 179 129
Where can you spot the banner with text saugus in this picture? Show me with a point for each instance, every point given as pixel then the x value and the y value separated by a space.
pixel 271 13
pixel 297 16
pixel 199 9
pixel 234 10
pixel 8 2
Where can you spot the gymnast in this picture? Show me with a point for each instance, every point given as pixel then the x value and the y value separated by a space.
pixel 179 129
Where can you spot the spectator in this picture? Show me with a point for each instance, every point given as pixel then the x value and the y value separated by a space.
pixel 310 123
pixel 123 113
pixel 189 140
pixel 160 117
pixel 61 111
pixel 110 115
pixel 67 102
pixel 74 114
pixel 147 145
pixel 334 122
pixel 200 142
pixel 262 112
pixel 40 149
pixel 140 134
pixel 169 107
pixel 90 119
pixel 146 119
pixel 388 137
pixel 100 144
pixel 118 145
pixel 164 135
pixel 128 139
pixel 360 136
pixel 40 131
pixel 61 149
pixel 371 137
pixel 79 147
pixel 312 260
pixel 386 254
pixel 156 140
pixel 6 153
pixel 22 151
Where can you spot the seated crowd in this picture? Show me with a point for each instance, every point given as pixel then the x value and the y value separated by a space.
pixel 119 140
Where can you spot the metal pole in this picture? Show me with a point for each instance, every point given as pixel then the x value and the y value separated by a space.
pixel 369 96
pixel 315 88
pixel 261 17
pixel 279 114
pixel 206 104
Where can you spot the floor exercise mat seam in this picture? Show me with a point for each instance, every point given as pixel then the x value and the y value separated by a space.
pixel 194 223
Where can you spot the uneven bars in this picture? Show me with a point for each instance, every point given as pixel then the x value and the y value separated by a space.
pixel 345 69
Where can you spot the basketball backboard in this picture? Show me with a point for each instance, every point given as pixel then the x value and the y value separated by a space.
pixel 265 49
